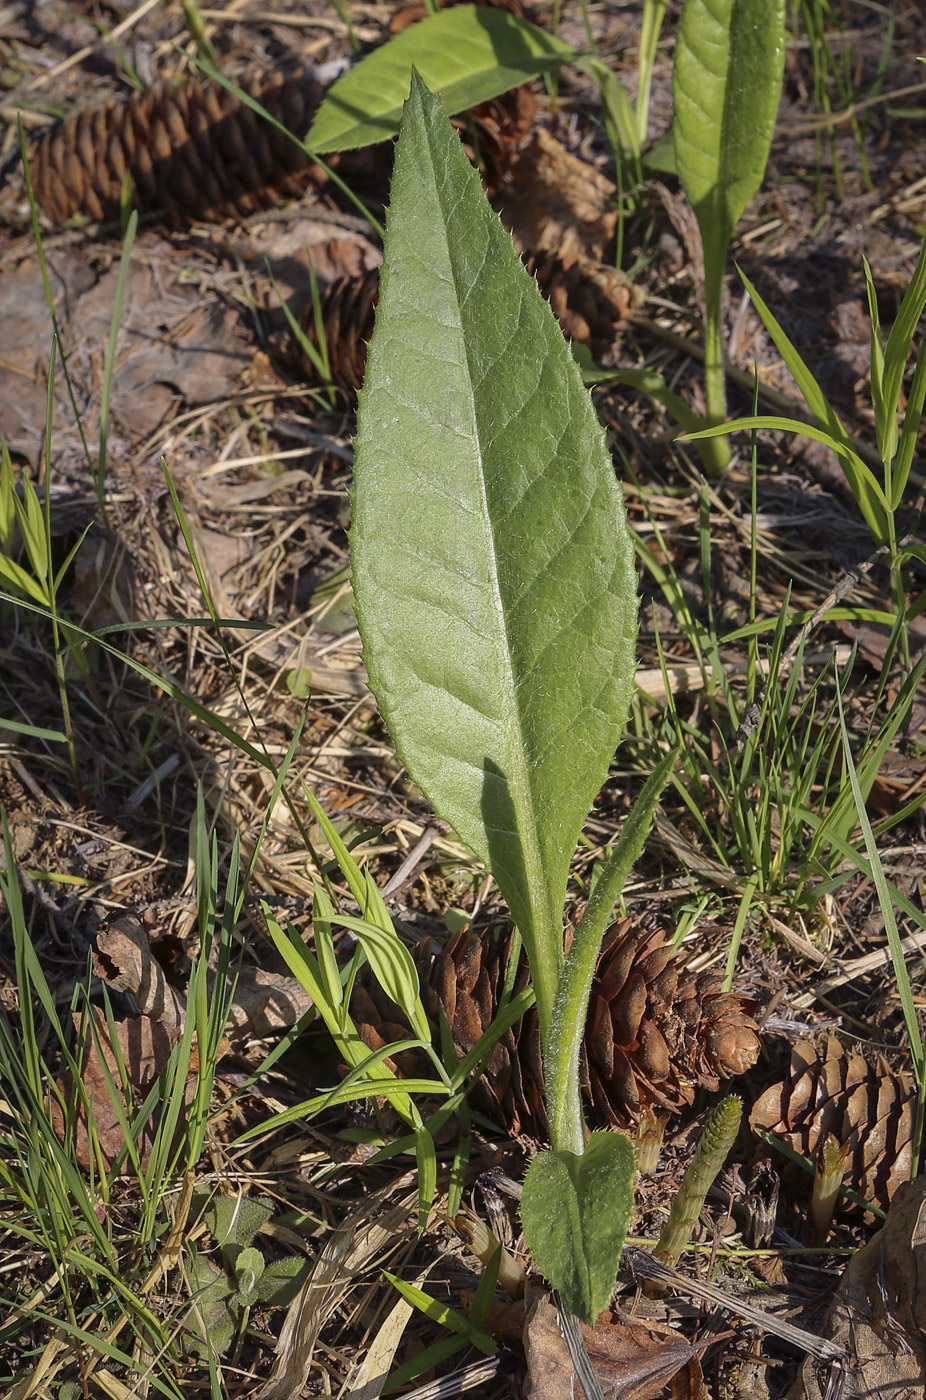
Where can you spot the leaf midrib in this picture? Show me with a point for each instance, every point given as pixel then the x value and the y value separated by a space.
pixel 522 794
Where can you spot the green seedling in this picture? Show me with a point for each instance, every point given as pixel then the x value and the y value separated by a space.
pixel 832 1159
pixel 224 1295
pixel 499 623
pixel 626 123
pixel 717 1138
pixel 729 61
pixel 24 515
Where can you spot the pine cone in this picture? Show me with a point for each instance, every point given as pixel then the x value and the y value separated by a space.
pixel 589 303
pixel 348 309
pixel 870 1111
pixel 655 1031
pixel 493 131
pixel 188 150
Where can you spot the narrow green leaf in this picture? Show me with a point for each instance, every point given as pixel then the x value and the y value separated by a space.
pixel 466 55
pixel 729 61
pixel 7 500
pixel 393 967
pixel 443 1314
pixel 886 904
pixel 426 1161
pixel 571 1004
pixel 865 486
pixel 575 1211
pixel 885 414
pixel 323 912
pixel 493 566
pixel 903 330
pixel 31 521
pixel 909 436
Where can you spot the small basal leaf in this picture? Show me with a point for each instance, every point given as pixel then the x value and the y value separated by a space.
pixel 575 1210
pixel 493 567
pixel 466 55
pixel 729 60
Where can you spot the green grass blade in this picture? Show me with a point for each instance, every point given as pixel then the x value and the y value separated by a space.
pixel 897 350
pixel 109 366
pixel 902 976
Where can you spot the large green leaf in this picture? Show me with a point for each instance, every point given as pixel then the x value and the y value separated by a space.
pixel 576 1209
pixel 466 54
pixel 729 59
pixel 493 567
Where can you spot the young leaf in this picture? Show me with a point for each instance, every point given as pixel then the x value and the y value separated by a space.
pixel 466 55
pixel 493 568
pixel 729 61
pixel 900 340
pixel 575 1211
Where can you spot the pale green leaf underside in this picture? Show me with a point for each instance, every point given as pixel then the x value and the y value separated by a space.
pixel 493 568
pixel 727 82
pixel 466 54
pixel 575 1211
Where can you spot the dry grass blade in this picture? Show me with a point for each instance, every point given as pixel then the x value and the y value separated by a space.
pixel 363 1237
pixel 644 1266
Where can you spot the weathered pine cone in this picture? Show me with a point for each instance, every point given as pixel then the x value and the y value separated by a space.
pixel 589 302
pixel 493 131
pixel 655 1031
pixel 188 150
pixel 869 1110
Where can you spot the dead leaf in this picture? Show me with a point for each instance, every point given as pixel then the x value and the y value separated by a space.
pixel 631 1362
pixel 879 1312
pixel 144 1048
pixel 175 345
pixel 26 341
pixel 552 201
pixel 264 1002
pixel 354 1246
pixel 123 960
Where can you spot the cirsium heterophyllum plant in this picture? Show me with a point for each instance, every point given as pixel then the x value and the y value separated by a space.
pixel 496 597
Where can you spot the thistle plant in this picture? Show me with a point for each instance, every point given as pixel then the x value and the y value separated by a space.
pixel 496 598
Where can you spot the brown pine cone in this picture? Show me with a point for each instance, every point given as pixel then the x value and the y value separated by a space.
pixel 187 150
pixel 493 131
pixel 655 1031
pixel 590 304
pixel 869 1110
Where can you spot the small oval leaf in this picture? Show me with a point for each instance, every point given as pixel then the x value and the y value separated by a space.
pixel 575 1211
